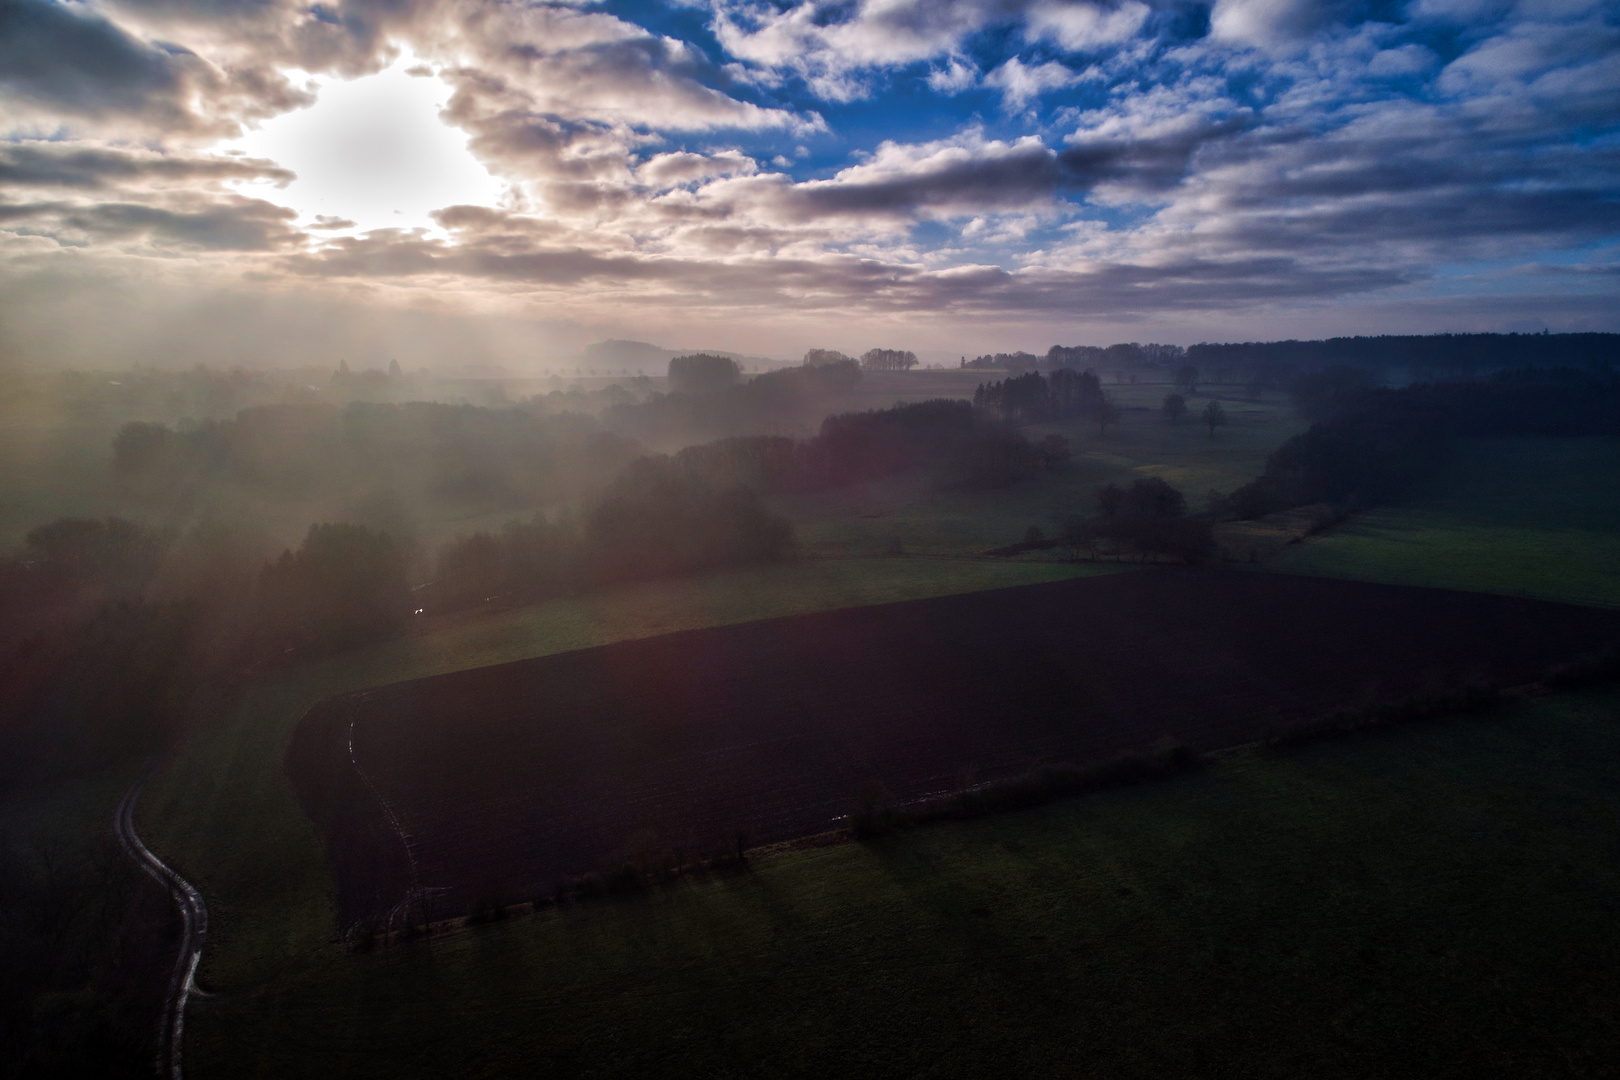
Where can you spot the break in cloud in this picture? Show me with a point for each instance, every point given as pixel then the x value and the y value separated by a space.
pixel 748 170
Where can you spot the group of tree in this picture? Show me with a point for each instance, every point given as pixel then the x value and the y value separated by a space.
pixel 1144 520
pixel 1094 357
pixel 888 360
pixel 1063 394
pixel 1369 443
pixel 955 444
pixel 1122 355
pixel 787 400
pixel 870 360
pixel 702 373
pixel 1015 363
pixel 658 519
pixel 1213 413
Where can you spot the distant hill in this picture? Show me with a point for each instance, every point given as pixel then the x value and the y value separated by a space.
pixel 642 358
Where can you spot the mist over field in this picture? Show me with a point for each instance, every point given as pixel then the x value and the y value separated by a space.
pixel 954 538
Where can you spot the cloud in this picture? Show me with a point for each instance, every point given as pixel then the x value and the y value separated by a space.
pixel 189 224
pixel 830 43
pixel 587 66
pixel 1296 153
pixel 957 75
pixel 1082 27
pixel 1020 83
pixel 78 62
pixel 90 165
pixel 836 45
pixel 683 167
pixel 68 66
pixel 1272 22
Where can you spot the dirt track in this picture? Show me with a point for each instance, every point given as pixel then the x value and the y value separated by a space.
pixel 507 778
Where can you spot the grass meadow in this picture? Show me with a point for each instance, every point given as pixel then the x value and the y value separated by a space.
pixel 1436 900
pixel 1532 517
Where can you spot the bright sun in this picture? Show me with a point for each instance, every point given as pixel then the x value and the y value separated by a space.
pixel 373 151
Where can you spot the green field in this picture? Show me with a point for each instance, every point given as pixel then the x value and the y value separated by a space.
pixel 223 811
pixel 868 519
pixel 1435 901
pixel 1533 517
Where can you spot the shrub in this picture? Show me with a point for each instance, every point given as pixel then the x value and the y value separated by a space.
pixel 1470 698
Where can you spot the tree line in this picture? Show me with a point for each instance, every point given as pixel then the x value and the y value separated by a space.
pixel 1369 444
pixel 1121 355
pixel 455 453
pixel 1429 353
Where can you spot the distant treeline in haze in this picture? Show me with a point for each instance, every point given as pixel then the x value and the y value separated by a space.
pixel 1368 443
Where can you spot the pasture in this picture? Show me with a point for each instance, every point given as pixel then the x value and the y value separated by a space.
pixel 1529 517
pixel 500 781
pixel 1436 900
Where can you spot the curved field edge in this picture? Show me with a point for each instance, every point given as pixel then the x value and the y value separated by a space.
pixel 1434 900
pixel 1521 517
pixel 223 814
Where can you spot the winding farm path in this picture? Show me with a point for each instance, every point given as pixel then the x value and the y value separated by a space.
pixel 194 915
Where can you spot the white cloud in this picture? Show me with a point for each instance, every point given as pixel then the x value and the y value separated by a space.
pixel 1080 27
pixel 1020 83
pixel 1269 23
pixel 669 170
pixel 957 75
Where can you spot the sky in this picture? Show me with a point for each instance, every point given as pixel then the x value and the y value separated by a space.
pixel 501 181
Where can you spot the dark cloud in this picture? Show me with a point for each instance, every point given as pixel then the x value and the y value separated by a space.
pixel 1013 177
pixel 1144 165
pixel 79 63
pixel 228 225
pixel 851 284
pixel 44 164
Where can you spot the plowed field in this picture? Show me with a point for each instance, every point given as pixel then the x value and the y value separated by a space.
pixel 508 778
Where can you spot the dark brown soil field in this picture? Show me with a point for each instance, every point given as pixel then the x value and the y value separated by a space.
pixel 506 779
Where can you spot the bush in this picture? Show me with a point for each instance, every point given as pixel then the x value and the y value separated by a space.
pixel 1470 698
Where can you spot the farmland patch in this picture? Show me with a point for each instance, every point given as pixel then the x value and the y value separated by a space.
pixel 499 781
